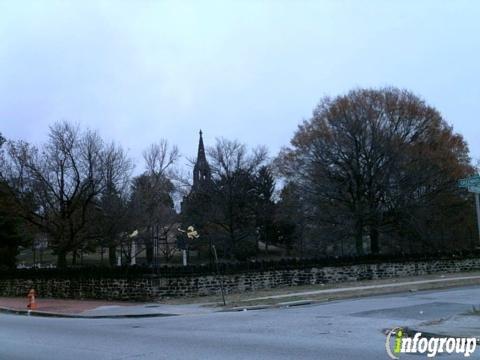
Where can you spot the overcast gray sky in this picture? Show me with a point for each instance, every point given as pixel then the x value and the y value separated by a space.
pixel 141 70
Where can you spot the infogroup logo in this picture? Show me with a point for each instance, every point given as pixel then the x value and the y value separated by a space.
pixel 398 342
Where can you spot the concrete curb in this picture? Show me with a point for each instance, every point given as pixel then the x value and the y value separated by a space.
pixel 247 308
pixel 349 293
pixel 78 316
pixel 409 284
pixel 272 306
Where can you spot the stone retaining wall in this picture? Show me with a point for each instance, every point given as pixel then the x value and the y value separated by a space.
pixel 156 287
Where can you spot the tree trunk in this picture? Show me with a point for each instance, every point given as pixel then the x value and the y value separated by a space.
pixel 62 259
pixel 149 245
pixel 231 247
pixel 359 237
pixel 112 255
pixel 149 252
pixel 374 240
pixel 266 240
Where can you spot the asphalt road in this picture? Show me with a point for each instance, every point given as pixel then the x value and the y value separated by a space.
pixel 349 329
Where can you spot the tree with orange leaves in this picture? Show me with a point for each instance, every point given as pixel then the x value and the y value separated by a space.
pixel 380 166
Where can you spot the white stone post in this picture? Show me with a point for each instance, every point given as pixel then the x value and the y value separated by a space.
pixel 133 252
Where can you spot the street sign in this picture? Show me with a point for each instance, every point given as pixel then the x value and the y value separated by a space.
pixel 474 189
pixel 472 181
pixel 473 185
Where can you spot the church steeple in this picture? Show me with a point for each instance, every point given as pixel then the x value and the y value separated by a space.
pixel 201 149
pixel 201 170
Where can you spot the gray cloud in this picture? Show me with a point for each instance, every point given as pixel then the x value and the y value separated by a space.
pixel 138 71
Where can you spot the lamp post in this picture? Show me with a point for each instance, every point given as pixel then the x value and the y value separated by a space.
pixel 191 235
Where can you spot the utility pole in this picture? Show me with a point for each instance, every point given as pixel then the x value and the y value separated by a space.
pixel 477 206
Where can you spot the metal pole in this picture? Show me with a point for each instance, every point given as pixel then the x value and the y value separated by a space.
pixel 477 205
pixel 218 274
pixel 184 253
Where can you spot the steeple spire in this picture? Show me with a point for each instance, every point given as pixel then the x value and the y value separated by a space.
pixel 201 170
pixel 201 149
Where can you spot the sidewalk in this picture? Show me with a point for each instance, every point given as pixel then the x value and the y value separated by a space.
pixel 279 297
pixel 292 296
pixel 60 306
pixel 97 309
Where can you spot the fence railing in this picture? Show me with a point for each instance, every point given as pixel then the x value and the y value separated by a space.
pixel 227 267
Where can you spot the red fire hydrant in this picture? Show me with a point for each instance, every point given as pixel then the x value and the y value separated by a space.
pixel 31 299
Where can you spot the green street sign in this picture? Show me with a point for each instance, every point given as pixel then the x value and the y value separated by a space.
pixel 474 189
pixel 473 185
pixel 471 182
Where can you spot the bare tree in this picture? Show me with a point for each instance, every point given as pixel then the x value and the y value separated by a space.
pixel 152 198
pixel 160 158
pixel 229 156
pixel 56 185
pixel 13 231
pixel 234 193
pixel 113 218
